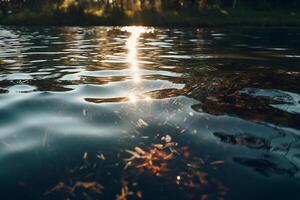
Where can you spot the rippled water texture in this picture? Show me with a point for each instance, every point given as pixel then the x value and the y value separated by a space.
pixel 149 113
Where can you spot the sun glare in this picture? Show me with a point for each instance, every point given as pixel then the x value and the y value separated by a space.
pixel 132 98
pixel 132 58
pixel 132 47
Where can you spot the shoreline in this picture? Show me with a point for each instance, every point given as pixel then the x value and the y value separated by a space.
pixel 236 18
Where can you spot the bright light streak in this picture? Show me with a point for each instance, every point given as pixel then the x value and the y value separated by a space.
pixel 132 98
pixel 132 58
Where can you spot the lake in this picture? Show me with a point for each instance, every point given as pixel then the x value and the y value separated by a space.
pixel 149 113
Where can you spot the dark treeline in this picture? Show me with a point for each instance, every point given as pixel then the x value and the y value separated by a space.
pixel 150 12
pixel 100 6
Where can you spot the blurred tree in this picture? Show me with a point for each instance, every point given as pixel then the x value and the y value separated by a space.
pixel 4 6
pixel 80 6
pixel 234 3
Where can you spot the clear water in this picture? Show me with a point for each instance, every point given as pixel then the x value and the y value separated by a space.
pixel 76 102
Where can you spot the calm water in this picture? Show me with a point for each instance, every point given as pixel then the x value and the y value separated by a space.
pixel 149 113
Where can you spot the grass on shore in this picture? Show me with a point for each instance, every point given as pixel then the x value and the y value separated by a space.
pixel 205 18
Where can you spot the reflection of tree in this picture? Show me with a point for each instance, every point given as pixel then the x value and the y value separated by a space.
pixel 244 139
pixel 265 163
pixel 268 167
pixel 219 92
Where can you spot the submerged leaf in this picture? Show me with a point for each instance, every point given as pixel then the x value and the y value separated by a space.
pixel 217 162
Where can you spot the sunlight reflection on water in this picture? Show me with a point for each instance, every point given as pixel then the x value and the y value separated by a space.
pixel 132 55
pixel 231 97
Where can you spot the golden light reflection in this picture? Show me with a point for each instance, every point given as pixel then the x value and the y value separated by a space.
pixel 148 98
pixel 132 97
pixel 135 92
pixel 132 47
pixel 133 61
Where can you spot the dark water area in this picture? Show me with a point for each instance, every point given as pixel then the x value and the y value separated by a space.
pixel 149 113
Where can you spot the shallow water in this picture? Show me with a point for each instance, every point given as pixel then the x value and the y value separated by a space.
pixel 217 109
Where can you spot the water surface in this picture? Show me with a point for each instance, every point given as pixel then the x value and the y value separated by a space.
pixel 149 113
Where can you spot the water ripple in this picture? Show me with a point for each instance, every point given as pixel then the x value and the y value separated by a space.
pixel 230 95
